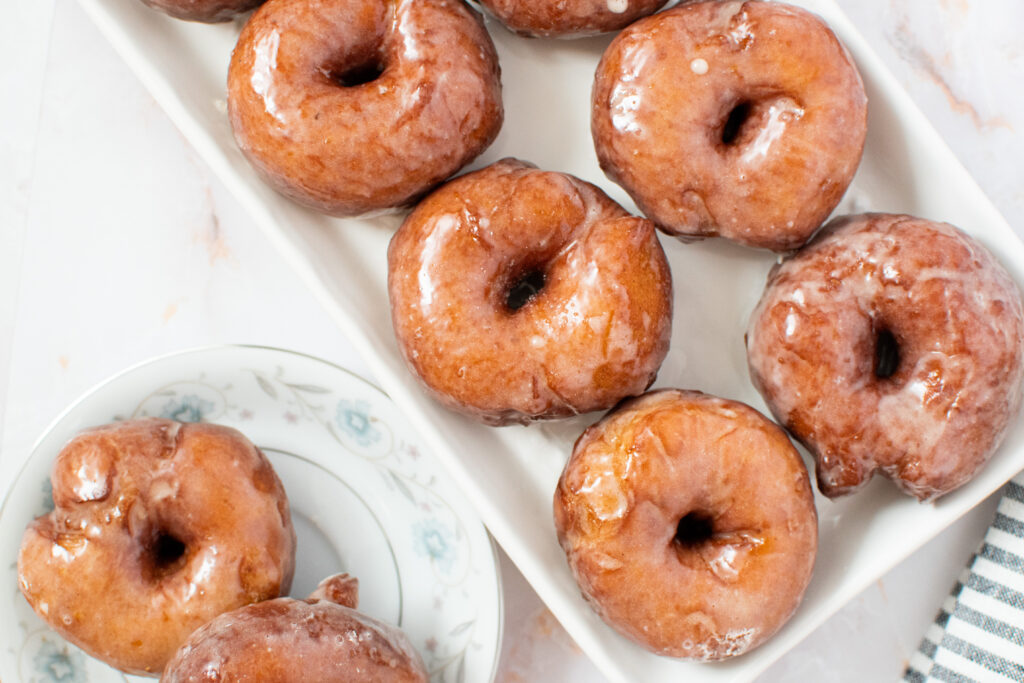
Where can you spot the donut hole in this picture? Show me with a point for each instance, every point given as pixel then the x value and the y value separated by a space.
pixel 357 71
pixel 694 529
pixel 165 553
pixel 887 354
pixel 357 75
pixel 735 120
pixel 524 289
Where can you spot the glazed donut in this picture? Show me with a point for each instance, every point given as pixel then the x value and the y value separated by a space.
pixel 157 528
pixel 891 344
pixel 286 640
pixel 350 106
pixel 744 120
pixel 519 294
pixel 206 11
pixel 689 524
pixel 573 18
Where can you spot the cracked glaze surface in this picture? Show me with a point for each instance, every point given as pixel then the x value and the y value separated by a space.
pixel 322 638
pixel 91 568
pixel 595 332
pixel 570 18
pixel 662 100
pixel 957 319
pixel 348 150
pixel 657 459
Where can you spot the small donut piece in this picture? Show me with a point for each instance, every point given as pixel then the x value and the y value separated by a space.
pixel 572 18
pixel 744 120
pixel 205 11
pixel 157 528
pixel 340 589
pixel 519 294
pixel 350 106
pixel 321 638
pixel 689 524
pixel 891 344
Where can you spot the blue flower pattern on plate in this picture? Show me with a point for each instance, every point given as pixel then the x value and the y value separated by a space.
pixel 353 418
pixel 58 665
pixel 189 408
pixel 435 540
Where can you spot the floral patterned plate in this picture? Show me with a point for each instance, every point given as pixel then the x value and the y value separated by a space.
pixel 365 499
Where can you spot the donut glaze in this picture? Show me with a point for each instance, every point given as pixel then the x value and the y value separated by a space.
pixel 593 316
pixel 312 115
pixel 891 344
pixel 744 120
pixel 157 528
pixel 287 640
pixel 206 11
pixel 572 18
pixel 689 524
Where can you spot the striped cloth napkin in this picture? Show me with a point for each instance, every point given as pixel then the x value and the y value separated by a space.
pixel 978 635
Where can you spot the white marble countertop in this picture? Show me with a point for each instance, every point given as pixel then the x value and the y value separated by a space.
pixel 118 244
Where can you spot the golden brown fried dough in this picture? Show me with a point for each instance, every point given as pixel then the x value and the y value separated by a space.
pixel 744 120
pixel 157 528
pixel 206 11
pixel 351 106
pixel 570 17
pixel 689 524
pixel 322 638
pixel 519 294
pixel 891 344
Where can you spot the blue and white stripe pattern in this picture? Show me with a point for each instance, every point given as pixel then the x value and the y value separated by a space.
pixel 978 635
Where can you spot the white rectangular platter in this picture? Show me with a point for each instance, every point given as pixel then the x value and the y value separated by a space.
pixel 509 474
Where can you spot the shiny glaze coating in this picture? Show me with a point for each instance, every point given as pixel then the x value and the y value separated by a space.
pixel 671 456
pixel 206 11
pixel 816 338
pixel 596 331
pixel 570 18
pixel 348 150
pixel 744 120
pixel 296 641
pixel 102 569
